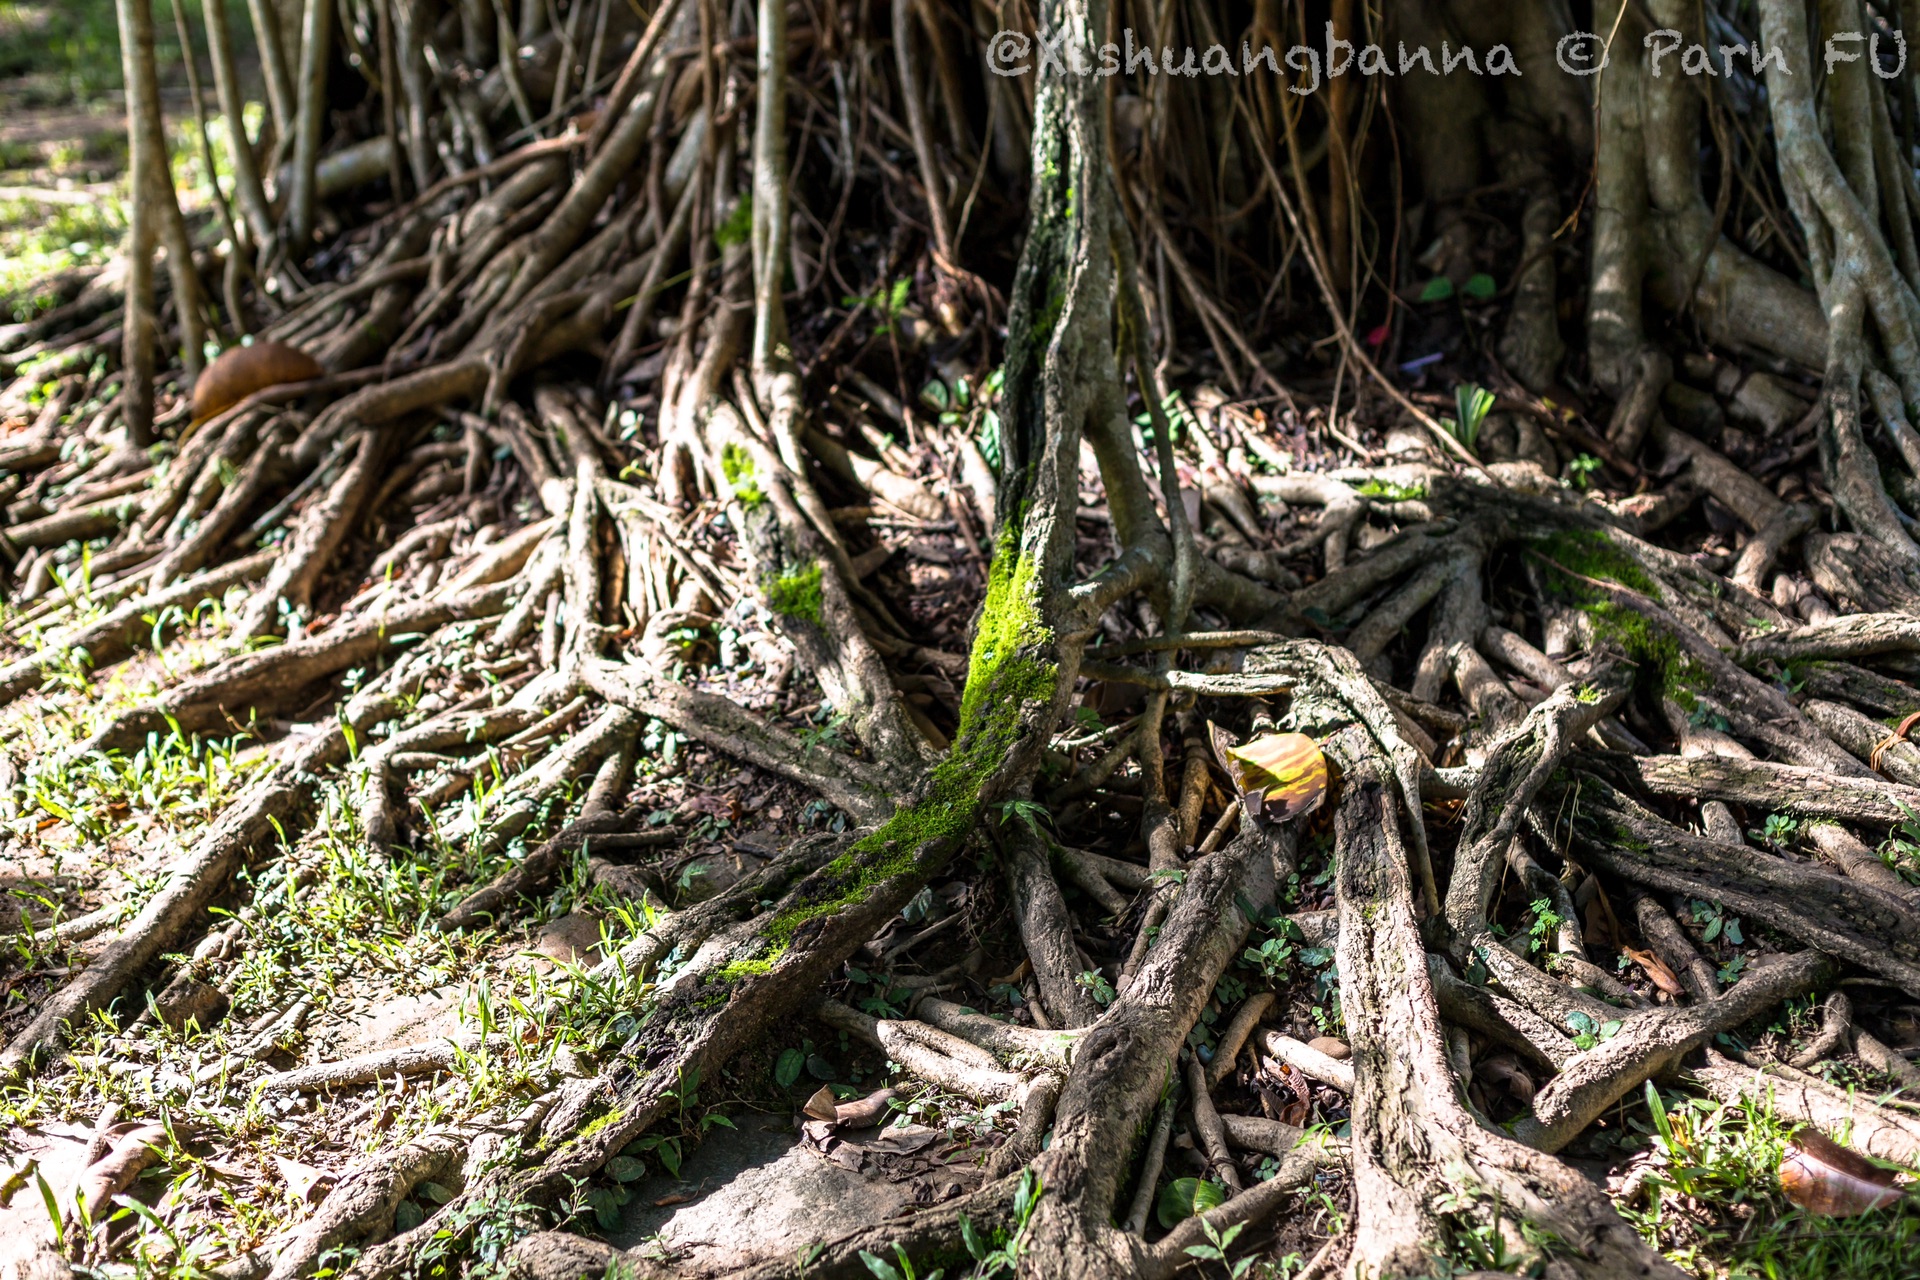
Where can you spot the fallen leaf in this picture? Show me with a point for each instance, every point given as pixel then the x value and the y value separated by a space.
pixel 864 1112
pixel 1015 978
pixel 302 1179
pixel 1823 1177
pixel 1186 1197
pixel 821 1106
pixel 1292 1077
pixel 904 1142
pixel 241 371
pixel 1277 776
pixel 1656 969
pixel 1602 925
pixel 1505 1070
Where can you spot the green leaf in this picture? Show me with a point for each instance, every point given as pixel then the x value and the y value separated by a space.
pixel 435 1192
pixel 819 1068
pixel 1713 929
pixel 787 1070
pixel 1480 285
pixel 934 394
pixel 606 1208
pixel 1438 289
pixel 1026 1195
pixel 1733 932
pixel 626 1169
pixel 1184 1197
pixel 1473 402
pixel 1659 1111
pixel 1581 1023
pixel 408 1216
pixel 53 1211
pixel 880 1266
pixel 971 1239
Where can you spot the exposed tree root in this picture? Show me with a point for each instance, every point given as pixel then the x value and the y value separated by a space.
pixel 583 442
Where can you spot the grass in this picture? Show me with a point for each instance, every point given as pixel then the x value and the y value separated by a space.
pixel 65 59
pixel 326 922
pixel 323 920
pixel 68 54
pixel 1713 1203
pixel 37 240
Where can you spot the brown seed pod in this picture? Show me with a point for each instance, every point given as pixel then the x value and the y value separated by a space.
pixel 1823 1177
pixel 241 371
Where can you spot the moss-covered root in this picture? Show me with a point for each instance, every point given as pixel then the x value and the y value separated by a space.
pixel 1625 611
pixel 805 578
pixel 745 976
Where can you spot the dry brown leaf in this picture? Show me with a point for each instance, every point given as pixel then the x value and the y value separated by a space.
pixel 821 1106
pixel 1506 1070
pixel 303 1179
pixel 1277 776
pixel 1602 925
pixel 1656 969
pixel 241 371
pixel 862 1112
pixel 134 1148
pixel 1823 1177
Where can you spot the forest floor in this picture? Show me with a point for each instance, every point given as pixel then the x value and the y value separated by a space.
pixel 321 953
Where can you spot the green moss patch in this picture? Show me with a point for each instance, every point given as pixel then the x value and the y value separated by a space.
pixel 1650 648
pixel 1592 554
pixel 797 594
pixel 737 464
pixel 1010 670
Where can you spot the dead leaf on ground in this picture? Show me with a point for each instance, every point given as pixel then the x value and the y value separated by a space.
pixel 306 1182
pixel 134 1148
pixel 241 371
pixel 864 1112
pixel 1277 776
pixel 1656 969
pixel 1506 1071
pixel 821 1106
pixel 1602 925
pixel 1823 1177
